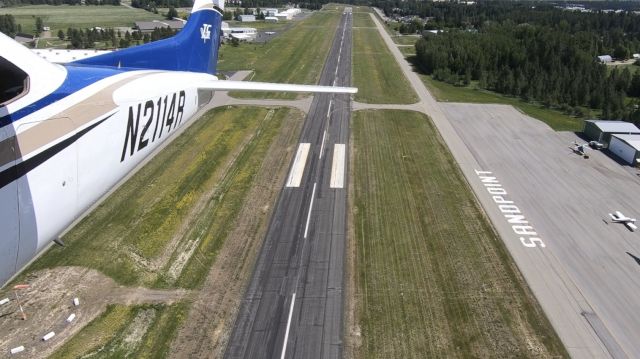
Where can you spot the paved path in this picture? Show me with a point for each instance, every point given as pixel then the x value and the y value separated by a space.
pixel 555 290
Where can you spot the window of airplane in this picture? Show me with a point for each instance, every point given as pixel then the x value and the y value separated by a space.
pixel 14 83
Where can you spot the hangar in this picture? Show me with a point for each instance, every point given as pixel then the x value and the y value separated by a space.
pixel 627 147
pixel 601 131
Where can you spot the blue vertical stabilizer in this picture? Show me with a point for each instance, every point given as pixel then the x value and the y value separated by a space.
pixel 194 48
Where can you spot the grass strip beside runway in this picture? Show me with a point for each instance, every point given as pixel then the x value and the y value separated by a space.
pixel 433 280
pixel 376 73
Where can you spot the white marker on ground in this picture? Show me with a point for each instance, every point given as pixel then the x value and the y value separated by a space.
pixel 337 167
pixel 324 136
pixel 48 336
pixel 313 194
pixel 286 333
pixel 297 170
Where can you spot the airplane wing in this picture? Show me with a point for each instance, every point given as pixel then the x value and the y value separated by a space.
pixel 158 83
pixel 225 85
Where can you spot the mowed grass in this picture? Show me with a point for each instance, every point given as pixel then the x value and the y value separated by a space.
pixel 189 193
pixel 295 56
pixel 433 280
pixel 362 19
pixel 445 92
pixel 405 39
pixel 62 17
pixel 376 73
pixel 117 334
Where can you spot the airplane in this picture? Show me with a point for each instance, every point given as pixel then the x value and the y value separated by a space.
pixel 580 149
pixel 70 132
pixel 618 217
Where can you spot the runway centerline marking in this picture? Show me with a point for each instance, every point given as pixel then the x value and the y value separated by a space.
pixel 337 167
pixel 324 135
pixel 286 333
pixel 297 169
pixel 313 195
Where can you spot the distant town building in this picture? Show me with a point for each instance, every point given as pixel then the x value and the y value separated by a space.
pixel 605 58
pixel 270 11
pixel 149 26
pixel 246 18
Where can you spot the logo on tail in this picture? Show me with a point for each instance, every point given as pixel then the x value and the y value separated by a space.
pixel 205 32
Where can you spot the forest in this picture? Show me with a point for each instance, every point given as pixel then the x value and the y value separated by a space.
pixel 538 53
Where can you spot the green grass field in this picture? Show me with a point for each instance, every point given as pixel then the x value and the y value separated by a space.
pixel 111 334
pixel 190 192
pixel 433 280
pixel 62 17
pixel 295 56
pixel 376 72
pixel 362 19
pixel 405 39
pixel 448 93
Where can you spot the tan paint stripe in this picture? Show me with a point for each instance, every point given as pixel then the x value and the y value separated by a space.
pixel 62 123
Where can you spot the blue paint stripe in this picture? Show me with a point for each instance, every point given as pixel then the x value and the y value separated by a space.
pixel 78 77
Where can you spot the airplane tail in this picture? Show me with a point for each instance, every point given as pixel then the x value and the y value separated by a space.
pixel 194 48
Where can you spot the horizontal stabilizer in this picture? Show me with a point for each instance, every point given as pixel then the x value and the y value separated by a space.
pixel 631 226
pixel 224 85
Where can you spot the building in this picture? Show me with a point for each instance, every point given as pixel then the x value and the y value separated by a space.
pixel 246 18
pixel 636 56
pixel 601 131
pixel 288 14
pixel 270 12
pixel 605 58
pixel 270 19
pixel 626 147
pixel 149 26
pixel 240 33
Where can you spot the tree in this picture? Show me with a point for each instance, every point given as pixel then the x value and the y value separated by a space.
pixel 39 26
pixel 61 34
pixel 172 13
pixel 621 52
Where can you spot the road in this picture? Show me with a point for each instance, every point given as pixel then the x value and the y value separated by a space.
pixel 293 305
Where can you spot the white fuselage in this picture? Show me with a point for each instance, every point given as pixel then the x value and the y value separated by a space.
pixel 76 149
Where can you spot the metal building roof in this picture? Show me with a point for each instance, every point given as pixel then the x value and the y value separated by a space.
pixel 615 126
pixel 631 140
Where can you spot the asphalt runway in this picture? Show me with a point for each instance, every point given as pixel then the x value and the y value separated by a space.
pixel 584 270
pixel 293 306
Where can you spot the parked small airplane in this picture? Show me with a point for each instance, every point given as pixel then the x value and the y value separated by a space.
pixel 618 217
pixel 69 133
pixel 580 149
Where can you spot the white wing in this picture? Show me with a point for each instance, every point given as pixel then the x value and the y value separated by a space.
pixel 224 85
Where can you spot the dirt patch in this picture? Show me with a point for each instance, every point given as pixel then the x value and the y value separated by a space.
pixel 205 333
pixel 48 302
